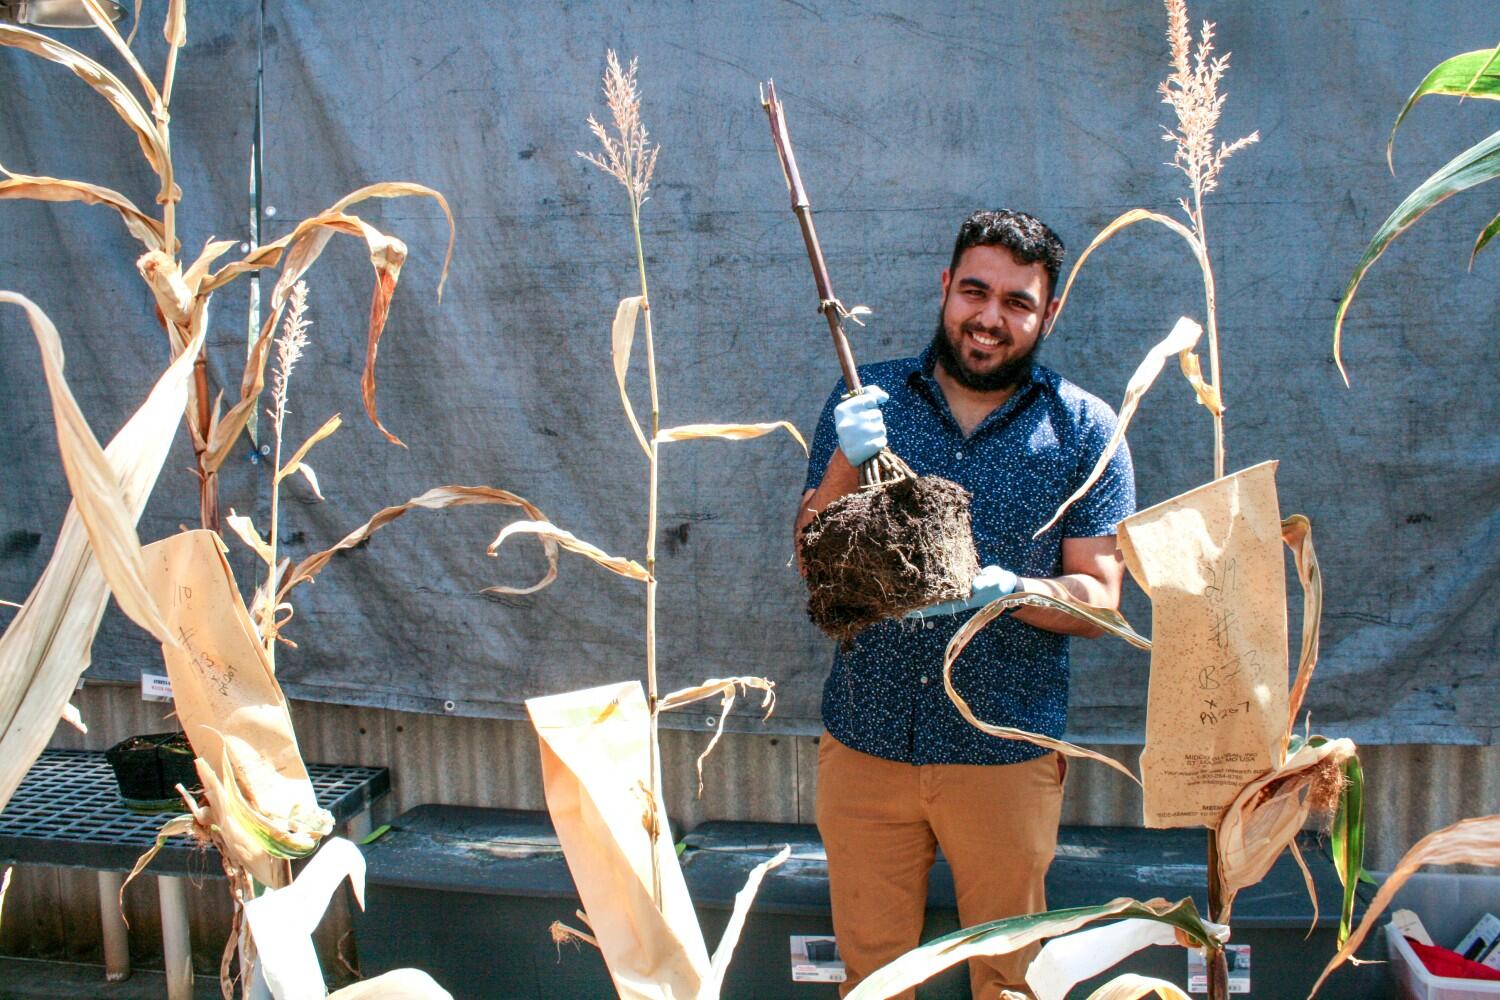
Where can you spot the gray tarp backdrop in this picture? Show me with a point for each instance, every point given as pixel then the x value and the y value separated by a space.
pixel 904 117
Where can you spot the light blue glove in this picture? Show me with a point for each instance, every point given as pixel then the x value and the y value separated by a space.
pixel 990 584
pixel 860 425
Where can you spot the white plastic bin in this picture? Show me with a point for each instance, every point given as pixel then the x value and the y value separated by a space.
pixel 1414 982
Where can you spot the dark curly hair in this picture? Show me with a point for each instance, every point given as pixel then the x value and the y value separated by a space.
pixel 1028 239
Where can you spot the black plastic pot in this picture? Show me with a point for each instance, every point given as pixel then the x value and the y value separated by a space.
pixel 149 768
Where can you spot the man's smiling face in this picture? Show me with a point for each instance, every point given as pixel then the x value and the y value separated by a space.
pixel 994 311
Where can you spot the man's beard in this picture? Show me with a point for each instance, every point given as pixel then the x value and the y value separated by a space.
pixel 1007 376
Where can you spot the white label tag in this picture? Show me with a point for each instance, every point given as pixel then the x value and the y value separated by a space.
pixel 1238 957
pixel 155 687
pixel 815 959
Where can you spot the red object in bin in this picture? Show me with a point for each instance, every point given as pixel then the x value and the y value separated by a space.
pixel 1445 962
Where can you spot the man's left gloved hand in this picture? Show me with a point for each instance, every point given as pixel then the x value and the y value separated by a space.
pixel 990 584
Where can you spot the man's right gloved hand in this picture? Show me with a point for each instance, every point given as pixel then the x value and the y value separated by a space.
pixel 860 425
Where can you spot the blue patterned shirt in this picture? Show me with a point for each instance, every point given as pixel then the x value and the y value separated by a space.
pixel 884 695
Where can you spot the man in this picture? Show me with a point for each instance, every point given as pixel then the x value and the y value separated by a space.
pixel 899 771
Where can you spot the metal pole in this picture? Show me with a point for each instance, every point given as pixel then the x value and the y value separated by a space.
pixel 112 925
pixel 176 945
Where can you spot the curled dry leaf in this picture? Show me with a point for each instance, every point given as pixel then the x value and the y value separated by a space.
pixel 45 649
pixel 547 530
pixel 437 498
pixel 1181 341
pixel 1296 532
pixel 294 464
pixel 140 225
pixel 621 337
pixel 103 81
pixel 726 688
pixel 729 432
pixel 1468 842
pixel 1110 621
pixel 1130 218
pixel 244 529
pixel 296 252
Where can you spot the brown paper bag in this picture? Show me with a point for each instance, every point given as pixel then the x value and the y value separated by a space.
pixel 595 770
pixel 1211 561
pixel 229 703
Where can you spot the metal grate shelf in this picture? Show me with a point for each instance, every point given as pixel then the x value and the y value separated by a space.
pixel 67 812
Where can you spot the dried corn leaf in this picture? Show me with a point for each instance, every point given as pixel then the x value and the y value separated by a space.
pixel 1111 621
pixel 621 336
pixel 726 688
pixel 1001 937
pixel 46 647
pixel 294 464
pixel 269 254
pixel 244 528
pixel 1296 532
pixel 1181 341
pixel 1270 811
pixel 107 28
pixel 729 432
pixel 174 29
pixel 547 530
pixel 94 483
pixel 437 498
pixel 1473 841
pixel 311 477
pixel 1130 218
pixel 198 270
pixel 140 225
pixel 1066 961
pixel 103 81
pixel 406 189
pixel 303 247
pixel 1133 987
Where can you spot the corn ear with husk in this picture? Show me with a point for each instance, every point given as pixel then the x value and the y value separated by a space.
pixel 46 647
pixel 1002 937
pixel 1270 811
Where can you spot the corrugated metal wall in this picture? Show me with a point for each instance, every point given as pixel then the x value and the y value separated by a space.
pixel 53 913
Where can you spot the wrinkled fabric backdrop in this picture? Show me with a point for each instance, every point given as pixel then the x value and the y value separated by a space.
pixel 903 118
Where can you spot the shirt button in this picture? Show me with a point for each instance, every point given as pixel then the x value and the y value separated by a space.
pixel 924 678
pixel 958 454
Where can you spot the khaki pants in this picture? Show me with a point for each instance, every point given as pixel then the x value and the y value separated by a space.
pixel 881 822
